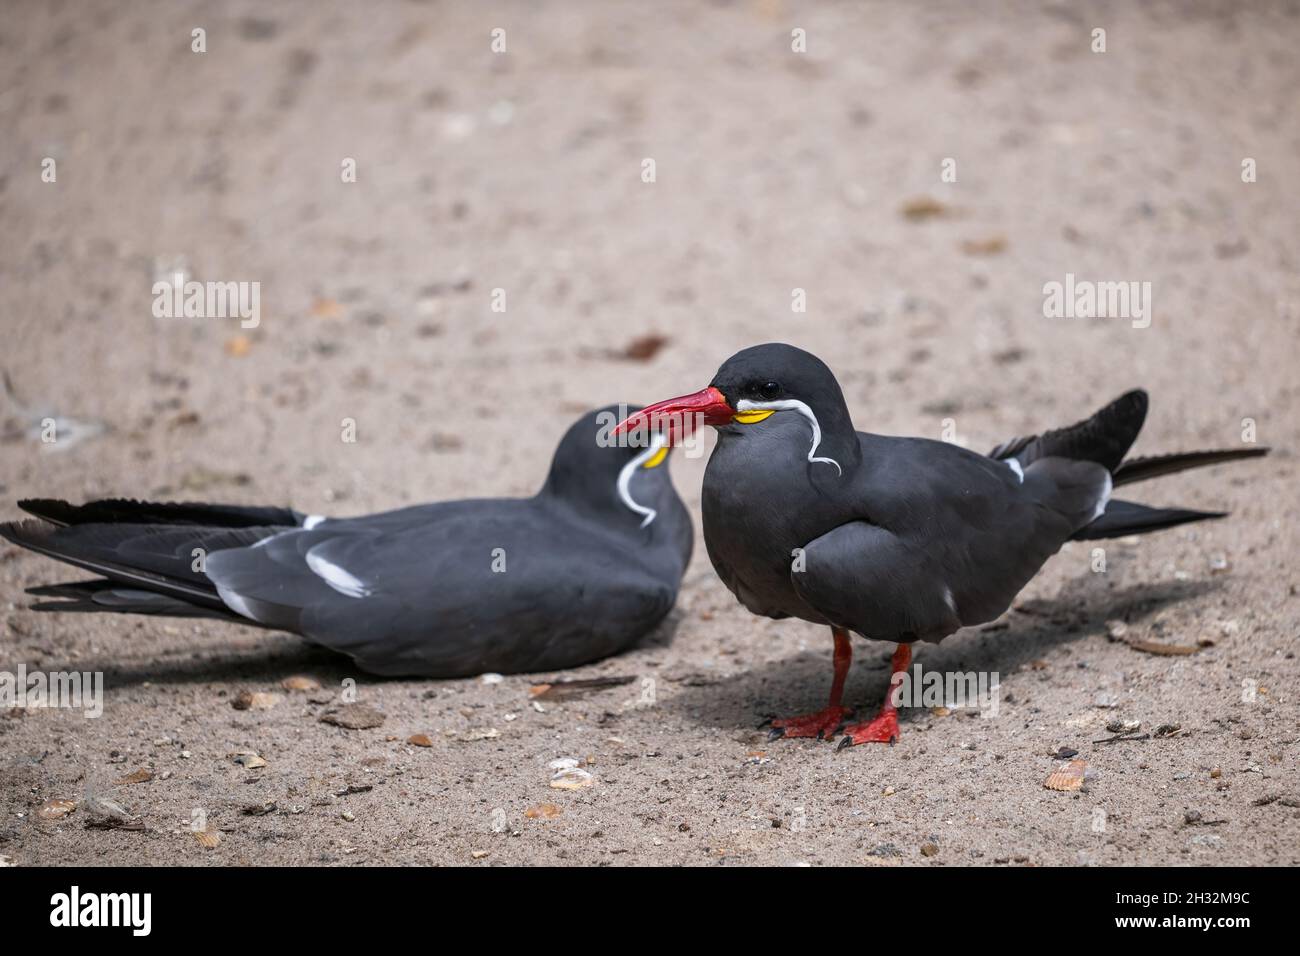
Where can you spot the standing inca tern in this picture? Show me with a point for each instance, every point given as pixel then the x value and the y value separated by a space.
pixel 895 539
pixel 583 569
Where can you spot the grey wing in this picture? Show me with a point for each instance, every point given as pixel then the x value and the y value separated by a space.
pixel 951 540
pixel 474 591
pixel 865 578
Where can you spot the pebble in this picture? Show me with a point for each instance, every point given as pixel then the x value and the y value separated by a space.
pixel 300 682
pixel 572 778
pixel 353 717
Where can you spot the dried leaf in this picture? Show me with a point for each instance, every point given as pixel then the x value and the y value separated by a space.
pixel 570 689
pixel 1163 650
pixel 237 346
pixel 544 811
pixel 248 760
pixel 923 208
pixel 644 348
pixel 989 246
pixel 207 838
pixel 143 775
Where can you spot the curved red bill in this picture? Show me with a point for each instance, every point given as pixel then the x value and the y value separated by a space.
pixel 679 417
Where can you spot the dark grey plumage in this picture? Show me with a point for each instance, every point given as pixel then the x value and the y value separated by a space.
pixel 902 539
pixel 416 591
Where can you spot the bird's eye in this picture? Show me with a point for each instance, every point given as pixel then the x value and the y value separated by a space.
pixel 769 390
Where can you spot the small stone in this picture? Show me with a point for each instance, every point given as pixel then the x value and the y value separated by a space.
pixel 573 778
pixel 353 717
pixel 479 854
pixel 254 700
pixel 1116 630
pixel 248 760
pixel 300 682
pixel 348 815
pixel 1124 726
pixel 490 678
pixel 929 849
pixel 419 740
pixel 1216 773
pixel 56 809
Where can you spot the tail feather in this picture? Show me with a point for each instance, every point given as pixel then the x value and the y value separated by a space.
pixel 1127 517
pixel 1104 438
pixel 103 595
pixel 151 558
pixel 1154 466
pixel 130 511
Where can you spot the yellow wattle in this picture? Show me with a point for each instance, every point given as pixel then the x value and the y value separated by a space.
pixel 657 459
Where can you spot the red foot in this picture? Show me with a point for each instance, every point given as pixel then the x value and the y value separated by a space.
pixel 821 724
pixel 881 729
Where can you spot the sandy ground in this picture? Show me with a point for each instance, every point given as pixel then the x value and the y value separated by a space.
pixel 774 171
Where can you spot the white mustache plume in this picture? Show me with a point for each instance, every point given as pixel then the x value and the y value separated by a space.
pixel 793 405
pixel 657 441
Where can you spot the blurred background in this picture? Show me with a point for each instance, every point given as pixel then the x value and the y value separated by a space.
pixel 522 170
pixel 774 171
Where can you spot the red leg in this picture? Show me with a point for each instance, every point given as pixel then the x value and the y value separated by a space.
pixel 883 728
pixel 824 722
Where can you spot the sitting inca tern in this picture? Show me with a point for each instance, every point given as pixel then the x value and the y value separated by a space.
pixel 583 569
pixel 895 539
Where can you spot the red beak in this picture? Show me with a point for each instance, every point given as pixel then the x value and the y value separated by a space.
pixel 679 417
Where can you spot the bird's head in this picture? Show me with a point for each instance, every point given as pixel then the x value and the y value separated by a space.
pixel 751 387
pixel 618 478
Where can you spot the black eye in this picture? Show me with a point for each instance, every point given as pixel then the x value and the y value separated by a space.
pixel 769 390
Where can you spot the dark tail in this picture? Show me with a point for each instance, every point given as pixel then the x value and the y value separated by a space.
pixel 1140 469
pixel 1105 438
pixel 164 559
pixel 1125 517
pixel 103 595
pixel 129 511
